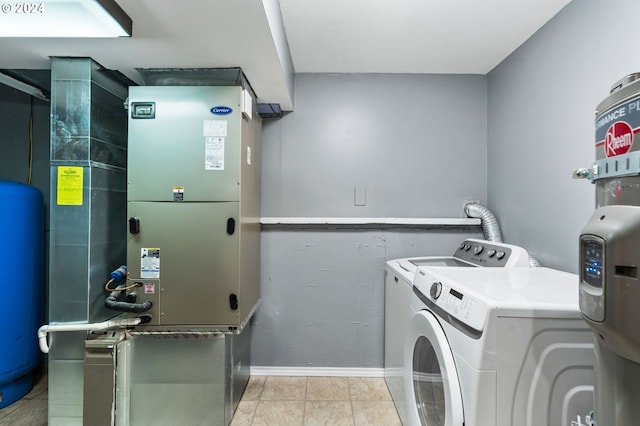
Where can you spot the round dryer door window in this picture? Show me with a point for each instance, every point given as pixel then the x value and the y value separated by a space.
pixel 434 384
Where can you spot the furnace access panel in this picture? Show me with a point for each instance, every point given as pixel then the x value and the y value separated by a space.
pixel 194 205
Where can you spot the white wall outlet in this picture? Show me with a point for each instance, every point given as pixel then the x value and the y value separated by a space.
pixel 360 196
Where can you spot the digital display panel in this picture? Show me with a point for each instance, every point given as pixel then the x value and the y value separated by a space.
pixel 143 110
pixel 592 262
pixel 456 294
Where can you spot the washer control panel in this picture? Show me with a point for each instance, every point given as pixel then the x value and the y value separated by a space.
pixel 462 306
pixel 491 254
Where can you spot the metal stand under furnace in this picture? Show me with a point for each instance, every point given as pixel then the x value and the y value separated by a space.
pixel 193 250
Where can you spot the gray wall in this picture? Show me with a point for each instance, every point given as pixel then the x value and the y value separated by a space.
pixel 541 103
pixel 418 146
pixel 417 143
pixel 15 109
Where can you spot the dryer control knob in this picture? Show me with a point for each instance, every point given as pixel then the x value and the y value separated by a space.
pixel 436 289
pixel 478 249
pixel 500 255
pixel 491 252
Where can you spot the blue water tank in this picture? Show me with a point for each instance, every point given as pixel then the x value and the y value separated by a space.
pixel 21 287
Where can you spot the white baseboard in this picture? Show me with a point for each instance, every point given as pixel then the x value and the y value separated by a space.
pixel 316 371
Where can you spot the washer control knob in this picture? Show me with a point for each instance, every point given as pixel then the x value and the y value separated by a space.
pixel 467 247
pixel 491 252
pixel 436 290
pixel 478 249
pixel 500 255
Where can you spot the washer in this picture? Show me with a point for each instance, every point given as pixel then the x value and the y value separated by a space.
pixel 497 346
pixel 399 276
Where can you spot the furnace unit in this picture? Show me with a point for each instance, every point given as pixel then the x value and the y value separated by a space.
pixel 193 205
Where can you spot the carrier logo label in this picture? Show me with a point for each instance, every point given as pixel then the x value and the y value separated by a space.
pixel 619 139
pixel 221 110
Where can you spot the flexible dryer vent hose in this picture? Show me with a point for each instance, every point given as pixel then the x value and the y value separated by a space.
pixel 490 227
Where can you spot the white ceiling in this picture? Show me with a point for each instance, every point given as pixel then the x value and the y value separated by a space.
pixel 410 36
pixel 341 36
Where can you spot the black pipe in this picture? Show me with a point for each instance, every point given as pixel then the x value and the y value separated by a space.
pixel 112 303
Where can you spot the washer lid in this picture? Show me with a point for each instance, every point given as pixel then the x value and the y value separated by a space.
pixel 440 261
pixel 469 294
pixel 406 268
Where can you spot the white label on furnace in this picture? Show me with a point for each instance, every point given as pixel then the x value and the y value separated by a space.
pixel 214 153
pixel 149 263
pixel 248 155
pixel 214 128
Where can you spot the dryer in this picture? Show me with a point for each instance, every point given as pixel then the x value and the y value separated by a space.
pixel 496 346
pixel 399 276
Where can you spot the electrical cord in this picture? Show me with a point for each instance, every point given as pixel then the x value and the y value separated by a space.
pixel 135 284
pixel 30 141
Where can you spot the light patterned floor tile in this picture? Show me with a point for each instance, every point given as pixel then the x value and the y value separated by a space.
pixel 284 389
pixel 368 389
pixel 280 413
pixel 328 413
pixel 375 413
pixel 328 389
pixel 254 388
pixel 244 413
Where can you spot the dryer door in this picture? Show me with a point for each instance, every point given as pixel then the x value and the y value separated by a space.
pixel 432 387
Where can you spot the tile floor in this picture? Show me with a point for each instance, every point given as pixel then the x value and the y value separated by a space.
pixel 269 401
pixel 311 401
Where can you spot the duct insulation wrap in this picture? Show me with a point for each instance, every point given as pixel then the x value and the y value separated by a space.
pixel 21 259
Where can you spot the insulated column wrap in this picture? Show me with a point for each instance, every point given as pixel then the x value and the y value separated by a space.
pixel 21 266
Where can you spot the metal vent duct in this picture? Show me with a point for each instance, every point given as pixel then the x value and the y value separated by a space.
pixel 269 111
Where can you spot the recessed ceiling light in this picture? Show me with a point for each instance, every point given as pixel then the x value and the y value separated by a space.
pixel 64 18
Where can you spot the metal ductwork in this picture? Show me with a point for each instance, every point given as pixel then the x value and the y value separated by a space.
pixel 269 111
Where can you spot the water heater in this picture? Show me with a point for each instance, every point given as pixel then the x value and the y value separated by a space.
pixel 193 203
pixel 610 256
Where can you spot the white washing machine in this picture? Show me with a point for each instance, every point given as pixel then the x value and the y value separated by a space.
pixel 497 346
pixel 398 285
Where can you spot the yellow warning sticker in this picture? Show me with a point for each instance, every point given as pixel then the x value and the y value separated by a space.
pixel 70 186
